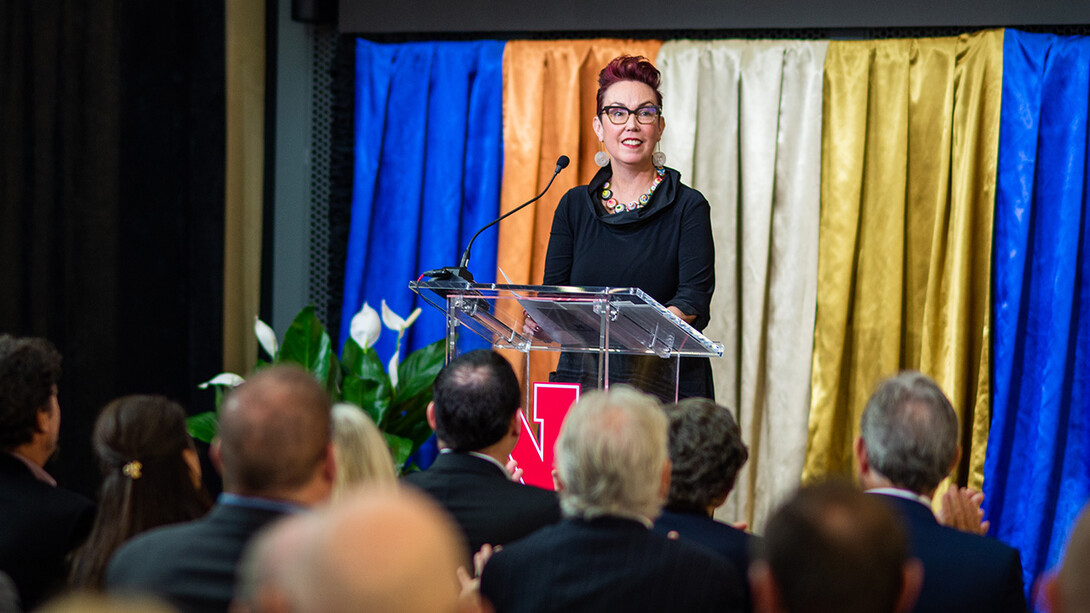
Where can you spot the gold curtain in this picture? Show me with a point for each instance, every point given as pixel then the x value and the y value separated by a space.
pixel 549 90
pixel 245 50
pixel 910 135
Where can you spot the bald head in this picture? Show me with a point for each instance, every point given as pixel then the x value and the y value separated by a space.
pixel 831 548
pixel 274 434
pixel 381 552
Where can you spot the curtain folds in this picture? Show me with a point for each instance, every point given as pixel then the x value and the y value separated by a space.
pixel 244 191
pixel 743 126
pixel 908 182
pixel 427 171
pixel 1037 476
pixel 549 91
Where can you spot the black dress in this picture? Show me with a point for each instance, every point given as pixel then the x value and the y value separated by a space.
pixel 664 248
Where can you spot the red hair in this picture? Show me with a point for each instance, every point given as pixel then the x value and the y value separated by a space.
pixel 628 68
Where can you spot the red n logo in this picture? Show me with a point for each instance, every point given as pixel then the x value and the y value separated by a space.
pixel 534 454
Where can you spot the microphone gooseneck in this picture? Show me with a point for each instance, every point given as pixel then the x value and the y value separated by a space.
pixel 561 164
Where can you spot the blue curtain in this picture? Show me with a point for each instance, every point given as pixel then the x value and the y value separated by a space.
pixel 1037 471
pixel 428 164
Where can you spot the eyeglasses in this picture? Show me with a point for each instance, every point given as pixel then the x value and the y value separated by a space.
pixel 618 115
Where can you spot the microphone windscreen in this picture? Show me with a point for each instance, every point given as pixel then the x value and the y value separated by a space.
pixel 562 163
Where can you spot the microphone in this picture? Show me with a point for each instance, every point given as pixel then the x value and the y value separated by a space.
pixel 462 272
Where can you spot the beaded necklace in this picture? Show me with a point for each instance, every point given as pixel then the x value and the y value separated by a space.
pixel 613 206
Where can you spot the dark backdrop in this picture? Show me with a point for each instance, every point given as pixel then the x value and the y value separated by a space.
pixel 111 200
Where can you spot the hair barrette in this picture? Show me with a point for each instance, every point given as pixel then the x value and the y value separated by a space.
pixel 132 469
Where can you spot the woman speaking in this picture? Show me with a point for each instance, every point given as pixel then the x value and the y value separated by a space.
pixel 635 225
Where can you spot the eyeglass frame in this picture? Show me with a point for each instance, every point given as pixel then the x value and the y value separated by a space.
pixel 632 113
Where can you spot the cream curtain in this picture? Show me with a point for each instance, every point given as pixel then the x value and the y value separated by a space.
pixel 911 132
pixel 743 126
pixel 245 46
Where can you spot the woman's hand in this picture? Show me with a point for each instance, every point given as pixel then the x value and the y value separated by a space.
pixel 689 319
pixel 531 330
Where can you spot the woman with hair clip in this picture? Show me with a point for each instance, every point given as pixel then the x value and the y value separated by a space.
pixel 635 225
pixel 151 477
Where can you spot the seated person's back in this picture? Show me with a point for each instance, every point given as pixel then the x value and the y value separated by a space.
pixel 612 475
pixel 151 477
pixel 41 523
pixel 706 453
pixel 275 455
pixel 475 417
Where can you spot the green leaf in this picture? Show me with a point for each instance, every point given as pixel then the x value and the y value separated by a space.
pixel 363 363
pixel 417 373
pixel 400 449
pixel 203 426
pixel 307 344
pixel 336 377
pixel 221 393
pixel 370 395
pixel 410 422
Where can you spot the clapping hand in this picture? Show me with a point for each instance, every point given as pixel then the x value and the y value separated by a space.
pixel 961 510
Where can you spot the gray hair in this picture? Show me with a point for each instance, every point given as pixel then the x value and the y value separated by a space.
pixel 611 453
pixel 910 430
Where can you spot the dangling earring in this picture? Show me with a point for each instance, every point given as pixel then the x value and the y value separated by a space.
pixel 601 158
pixel 658 158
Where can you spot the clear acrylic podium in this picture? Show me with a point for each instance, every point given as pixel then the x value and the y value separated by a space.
pixel 599 321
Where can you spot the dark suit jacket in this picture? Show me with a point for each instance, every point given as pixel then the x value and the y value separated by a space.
pixel 192 565
pixel 489 507
pixel 962 572
pixel 39 525
pixel 607 564
pixel 697 528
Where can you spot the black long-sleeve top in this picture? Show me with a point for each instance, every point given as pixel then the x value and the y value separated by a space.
pixel 665 249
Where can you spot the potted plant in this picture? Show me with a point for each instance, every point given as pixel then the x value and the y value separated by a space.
pixel 395 396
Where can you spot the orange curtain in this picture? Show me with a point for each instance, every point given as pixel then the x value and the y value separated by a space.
pixel 549 90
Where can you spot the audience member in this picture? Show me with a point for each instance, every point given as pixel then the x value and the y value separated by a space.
pixel 90 602
pixel 151 477
pixel 908 444
pixel 833 549
pixel 41 523
pixel 270 564
pixel 381 551
pixel 706 451
pixel 475 417
pixel 275 454
pixel 360 451
pixel 1067 590
pixel 9 595
pixel 612 474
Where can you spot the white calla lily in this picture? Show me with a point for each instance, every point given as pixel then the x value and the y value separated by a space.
pixel 391 368
pixel 265 337
pixel 229 379
pixel 394 321
pixel 366 327
pixel 412 317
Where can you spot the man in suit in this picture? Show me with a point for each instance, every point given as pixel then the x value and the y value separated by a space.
pixel 833 549
pixel 475 417
pixel 274 453
pixel 1067 590
pixel 706 452
pixel 376 550
pixel 908 444
pixel 612 474
pixel 40 523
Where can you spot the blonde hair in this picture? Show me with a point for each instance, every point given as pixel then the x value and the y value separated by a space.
pixel 360 450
